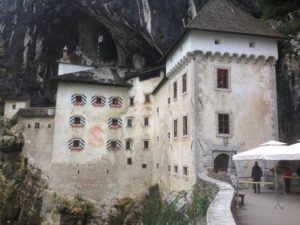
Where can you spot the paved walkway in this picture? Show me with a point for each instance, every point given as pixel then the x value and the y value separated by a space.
pixel 259 209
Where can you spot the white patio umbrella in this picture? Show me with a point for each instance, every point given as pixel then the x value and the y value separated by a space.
pixel 271 150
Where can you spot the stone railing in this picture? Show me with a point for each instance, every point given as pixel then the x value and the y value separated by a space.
pixel 221 196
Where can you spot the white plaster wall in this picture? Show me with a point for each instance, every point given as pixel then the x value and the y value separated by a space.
pixel 176 151
pixel 64 68
pixel 251 102
pixel 38 143
pixel 9 112
pixel 95 172
pixel 229 43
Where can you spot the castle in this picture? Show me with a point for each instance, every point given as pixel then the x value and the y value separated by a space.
pixel 113 134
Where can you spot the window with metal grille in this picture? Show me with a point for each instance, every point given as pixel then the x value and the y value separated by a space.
pixel 185 126
pixel 222 78
pixel 184 86
pixel 175 129
pixel 175 90
pixel 37 125
pixel 144 166
pixel 77 120
pixel 223 123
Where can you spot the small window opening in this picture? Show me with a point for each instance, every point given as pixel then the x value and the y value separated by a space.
pixel 175 169
pixel 128 144
pixel 147 98
pixel 14 106
pixel 49 125
pixel 78 99
pixel 129 161
pixel 251 44
pixel 217 41
pixel 37 125
pixel 131 101
pixel 144 166
pixel 185 170
pixel 29 126
pixel 129 122
pixel 146 144
pixel 169 168
pixel 146 121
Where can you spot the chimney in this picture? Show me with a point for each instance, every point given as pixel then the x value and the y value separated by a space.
pixel 65 54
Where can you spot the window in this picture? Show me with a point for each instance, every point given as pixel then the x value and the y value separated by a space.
pixel 169 100
pixel 147 98
pixel 76 144
pixel 146 121
pixel 175 128
pixel 113 145
pixel 184 84
pixel 131 101
pixel 175 90
pixel 185 126
pixel 157 110
pixel 157 165
pixel 169 168
pixel 49 125
pixel 223 123
pixel 115 102
pixel 185 171
pixel 175 169
pixel 146 144
pixel 78 99
pixel 217 41
pixel 222 78
pixel 169 135
pixel 251 44
pixel 37 125
pixel 128 144
pixel 129 122
pixel 28 126
pixel 114 123
pixel 14 106
pixel 144 166
pixel 77 121
pixel 129 161
pixel 98 101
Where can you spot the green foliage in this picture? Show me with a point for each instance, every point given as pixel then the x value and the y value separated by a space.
pixel 77 209
pixel 278 9
pixel 157 214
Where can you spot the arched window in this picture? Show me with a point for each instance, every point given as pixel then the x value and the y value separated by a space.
pixel 221 162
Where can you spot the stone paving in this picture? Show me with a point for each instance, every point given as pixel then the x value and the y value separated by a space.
pixel 259 209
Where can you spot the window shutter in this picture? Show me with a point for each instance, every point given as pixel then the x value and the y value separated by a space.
pixel 73 99
pixel 119 144
pixel 82 120
pixel 108 145
pixel 110 122
pixel 110 100
pixel 71 121
pixel 120 102
pixel 120 122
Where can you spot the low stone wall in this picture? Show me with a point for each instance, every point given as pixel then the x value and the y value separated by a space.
pixel 220 195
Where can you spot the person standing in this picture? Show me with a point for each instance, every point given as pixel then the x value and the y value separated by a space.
pixel 287 172
pixel 256 174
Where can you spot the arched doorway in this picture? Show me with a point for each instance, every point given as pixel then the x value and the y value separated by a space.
pixel 221 162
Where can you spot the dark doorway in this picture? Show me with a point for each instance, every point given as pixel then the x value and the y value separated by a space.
pixel 221 162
